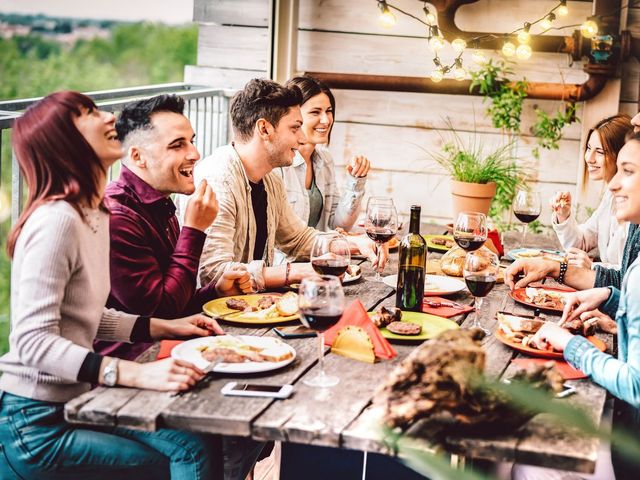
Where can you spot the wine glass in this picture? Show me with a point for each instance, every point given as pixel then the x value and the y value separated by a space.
pixel 381 224
pixel 526 207
pixel 330 254
pixel 321 303
pixel 480 274
pixel 470 230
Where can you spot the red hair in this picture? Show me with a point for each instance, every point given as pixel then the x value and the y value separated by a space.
pixel 55 159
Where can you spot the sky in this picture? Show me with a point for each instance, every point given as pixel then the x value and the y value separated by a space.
pixel 167 11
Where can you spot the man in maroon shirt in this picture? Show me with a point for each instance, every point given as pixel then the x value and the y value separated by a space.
pixel 153 263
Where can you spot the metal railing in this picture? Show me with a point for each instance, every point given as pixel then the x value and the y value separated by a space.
pixel 207 108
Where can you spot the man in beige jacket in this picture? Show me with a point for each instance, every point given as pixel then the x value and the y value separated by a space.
pixel 254 215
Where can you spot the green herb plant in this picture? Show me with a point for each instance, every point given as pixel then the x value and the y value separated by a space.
pixel 548 128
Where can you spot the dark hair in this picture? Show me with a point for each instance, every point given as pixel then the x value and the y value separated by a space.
pixel 261 98
pixel 613 132
pixel 56 160
pixel 137 115
pixel 310 87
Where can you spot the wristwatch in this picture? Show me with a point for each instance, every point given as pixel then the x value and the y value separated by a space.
pixel 110 374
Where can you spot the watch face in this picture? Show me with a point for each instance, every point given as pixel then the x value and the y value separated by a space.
pixel 110 378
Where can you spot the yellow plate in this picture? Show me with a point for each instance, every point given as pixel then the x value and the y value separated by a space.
pixel 432 325
pixel 218 309
pixel 434 246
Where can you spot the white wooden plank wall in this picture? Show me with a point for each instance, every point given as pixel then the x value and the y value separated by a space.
pixel 394 129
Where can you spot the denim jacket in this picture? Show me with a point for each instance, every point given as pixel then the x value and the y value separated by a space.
pixel 338 210
pixel 619 376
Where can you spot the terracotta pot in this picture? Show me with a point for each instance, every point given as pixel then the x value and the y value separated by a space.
pixel 471 197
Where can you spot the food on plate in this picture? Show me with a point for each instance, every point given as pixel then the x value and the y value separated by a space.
pixel 267 306
pixel 385 316
pixel 519 329
pixel 404 328
pixel 265 302
pixel 443 241
pixel 235 350
pixel 452 262
pixel 287 304
pixel 578 326
pixel 353 271
pixel 545 298
pixel 529 253
pixel 237 304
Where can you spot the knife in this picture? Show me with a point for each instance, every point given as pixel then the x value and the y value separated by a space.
pixel 433 304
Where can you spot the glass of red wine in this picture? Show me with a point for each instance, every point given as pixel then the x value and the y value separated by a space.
pixel 330 254
pixel 526 207
pixel 321 302
pixel 470 230
pixel 381 224
pixel 480 274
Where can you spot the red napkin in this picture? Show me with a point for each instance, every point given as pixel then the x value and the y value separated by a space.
pixel 494 236
pixel 165 348
pixel 445 312
pixel 356 315
pixel 566 370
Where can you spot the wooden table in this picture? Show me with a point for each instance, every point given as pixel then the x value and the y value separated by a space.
pixel 345 411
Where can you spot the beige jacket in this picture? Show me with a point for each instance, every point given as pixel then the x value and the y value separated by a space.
pixel 231 237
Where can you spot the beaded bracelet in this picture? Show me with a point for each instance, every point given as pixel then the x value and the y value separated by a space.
pixel 286 274
pixel 563 270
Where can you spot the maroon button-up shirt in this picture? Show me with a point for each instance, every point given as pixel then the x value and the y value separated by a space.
pixel 153 264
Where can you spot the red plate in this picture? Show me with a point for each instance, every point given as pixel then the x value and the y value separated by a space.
pixel 534 352
pixel 520 296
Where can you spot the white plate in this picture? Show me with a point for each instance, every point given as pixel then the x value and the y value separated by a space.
pixel 434 285
pixel 189 352
pixel 349 279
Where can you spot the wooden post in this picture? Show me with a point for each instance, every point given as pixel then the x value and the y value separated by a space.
pixel 283 31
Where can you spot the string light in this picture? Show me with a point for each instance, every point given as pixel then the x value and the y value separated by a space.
pixel 479 57
pixel 589 28
pixel 523 52
pixel 508 49
pixel 563 10
pixel 547 21
pixel 431 18
pixel 387 18
pixel 436 42
pixel 523 35
pixel 458 45
pixel 459 73
pixel 437 75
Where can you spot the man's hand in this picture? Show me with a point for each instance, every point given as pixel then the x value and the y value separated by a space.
pixel 367 247
pixel 584 301
pixel 604 322
pixel 194 326
pixel 358 167
pixel 552 335
pixel 531 270
pixel 202 208
pixel 578 258
pixel 235 281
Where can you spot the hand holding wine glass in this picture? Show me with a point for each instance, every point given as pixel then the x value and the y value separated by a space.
pixel 526 208
pixel 321 302
pixel 330 254
pixel 381 224
pixel 480 274
pixel 470 230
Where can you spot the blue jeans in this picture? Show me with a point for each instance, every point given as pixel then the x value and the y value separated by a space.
pixel 37 443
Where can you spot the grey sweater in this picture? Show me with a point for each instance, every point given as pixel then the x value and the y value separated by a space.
pixel 59 287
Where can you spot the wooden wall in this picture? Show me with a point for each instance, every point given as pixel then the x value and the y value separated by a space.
pixel 397 130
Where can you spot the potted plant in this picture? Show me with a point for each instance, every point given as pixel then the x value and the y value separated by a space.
pixel 479 174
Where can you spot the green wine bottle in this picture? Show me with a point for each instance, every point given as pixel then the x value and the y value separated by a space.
pixel 411 266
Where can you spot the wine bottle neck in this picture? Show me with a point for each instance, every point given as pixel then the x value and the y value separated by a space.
pixel 414 225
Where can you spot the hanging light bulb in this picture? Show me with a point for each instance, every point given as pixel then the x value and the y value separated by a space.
pixel 459 73
pixel 523 35
pixel 458 45
pixel 437 75
pixel 436 42
pixel 508 49
pixel 387 18
pixel 523 52
pixel 479 57
pixel 563 10
pixel 589 29
pixel 546 21
pixel 431 18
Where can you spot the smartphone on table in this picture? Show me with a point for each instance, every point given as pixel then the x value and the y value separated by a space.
pixel 242 389
pixel 295 331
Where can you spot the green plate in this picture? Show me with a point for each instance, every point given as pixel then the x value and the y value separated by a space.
pixel 432 326
pixel 435 247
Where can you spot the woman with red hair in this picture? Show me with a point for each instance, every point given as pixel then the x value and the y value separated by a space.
pixel 60 284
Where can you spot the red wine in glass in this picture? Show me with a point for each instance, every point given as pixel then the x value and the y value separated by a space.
pixel 526 217
pixel 469 243
pixel 325 266
pixel 480 285
pixel 319 319
pixel 380 235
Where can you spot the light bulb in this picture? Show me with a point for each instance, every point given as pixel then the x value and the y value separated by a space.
pixel 589 29
pixel 458 45
pixel 508 49
pixel 523 52
pixel 387 18
pixel 523 36
pixel 479 57
pixel 563 10
pixel 431 18
pixel 459 73
pixel 437 75
pixel 546 21
pixel 436 43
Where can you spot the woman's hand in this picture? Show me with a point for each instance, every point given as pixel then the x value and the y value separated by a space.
pixel 578 258
pixel 583 301
pixel 359 166
pixel 552 335
pixel 561 206
pixel 235 281
pixel 367 247
pixel 531 270
pixel 169 374
pixel 194 326
pixel 603 321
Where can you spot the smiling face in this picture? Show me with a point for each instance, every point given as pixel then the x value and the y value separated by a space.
pixel 166 161
pixel 285 139
pixel 317 115
pixel 625 185
pixel 98 129
pixel 594 156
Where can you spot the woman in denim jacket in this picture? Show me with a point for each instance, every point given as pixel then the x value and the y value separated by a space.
pixel 311 180
pixel 620 376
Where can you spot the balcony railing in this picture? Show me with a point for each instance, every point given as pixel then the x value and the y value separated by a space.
pixel 207 109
